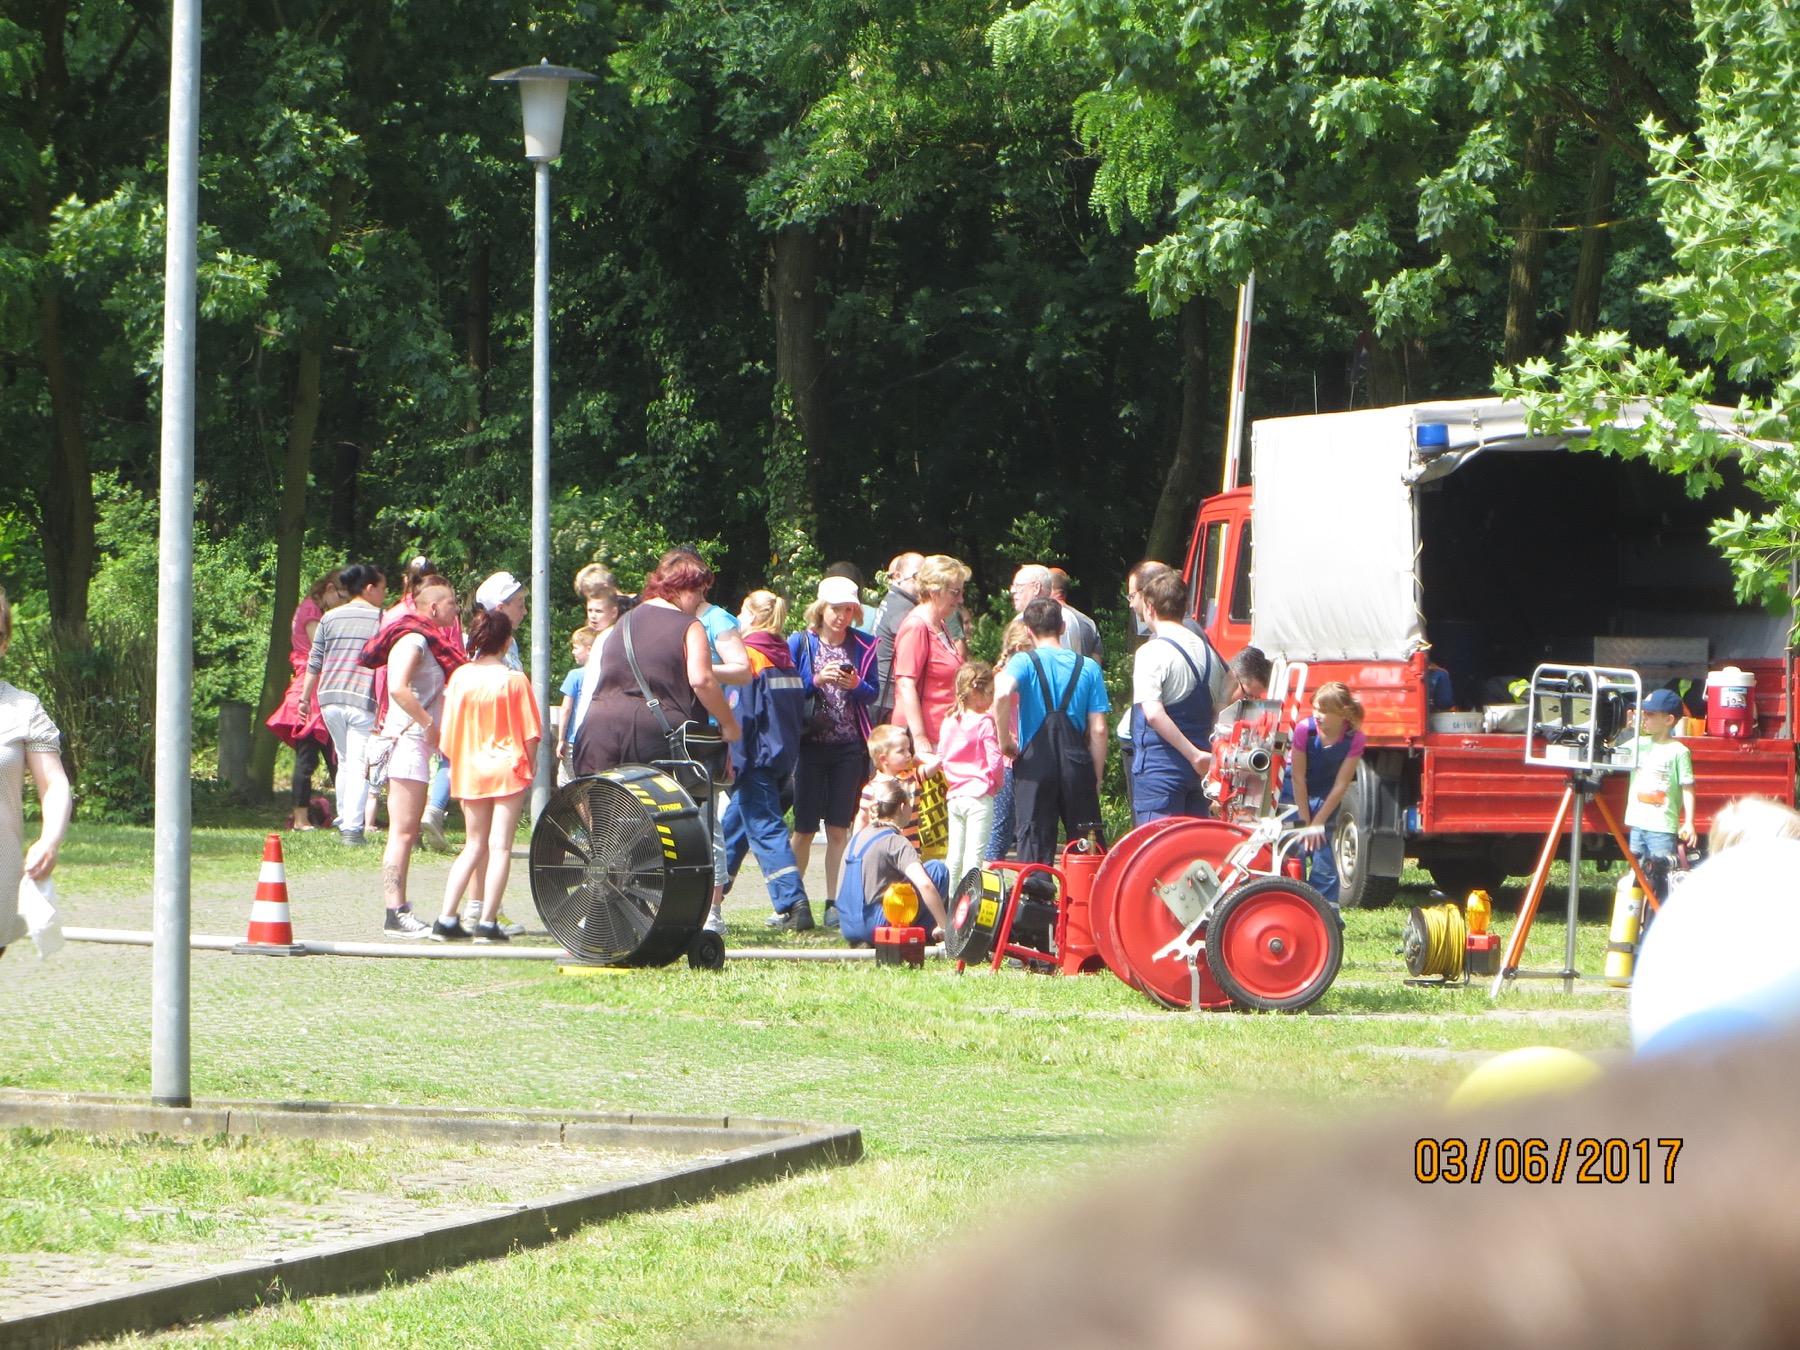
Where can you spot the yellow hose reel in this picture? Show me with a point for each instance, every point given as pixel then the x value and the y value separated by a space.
pixel 1434 943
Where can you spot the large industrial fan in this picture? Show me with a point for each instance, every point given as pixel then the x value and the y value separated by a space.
pixel 622 873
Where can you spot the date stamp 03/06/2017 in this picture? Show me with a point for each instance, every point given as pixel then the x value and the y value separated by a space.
pixel 1589 1162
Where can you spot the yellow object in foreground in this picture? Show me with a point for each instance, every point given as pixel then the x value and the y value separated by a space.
pixel 900 903
pixel 1529 1072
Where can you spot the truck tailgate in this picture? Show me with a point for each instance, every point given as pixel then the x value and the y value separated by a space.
pixel 1480 785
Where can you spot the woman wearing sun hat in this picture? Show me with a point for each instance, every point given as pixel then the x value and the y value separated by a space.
pixel 837 665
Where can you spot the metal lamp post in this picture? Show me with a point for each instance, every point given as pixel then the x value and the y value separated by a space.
pixel 543 94
pixel 169 1040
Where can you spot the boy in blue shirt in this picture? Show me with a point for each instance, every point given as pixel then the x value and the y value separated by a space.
pixel 1059 754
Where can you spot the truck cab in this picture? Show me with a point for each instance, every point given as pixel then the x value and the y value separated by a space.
pixel 1376 545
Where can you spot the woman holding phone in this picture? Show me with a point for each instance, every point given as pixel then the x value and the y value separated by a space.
pixel 838 670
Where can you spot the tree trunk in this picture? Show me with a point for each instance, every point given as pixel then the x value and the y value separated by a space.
pixel 290 548
pixel 68 502
pixel 1525 281
pixel 66 517
pixel 476 323
pixel 1584 303
pixel 1185 483
pixel 799 355
pixel 343 497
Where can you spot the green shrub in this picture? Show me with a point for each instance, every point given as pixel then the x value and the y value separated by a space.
pixel 103 699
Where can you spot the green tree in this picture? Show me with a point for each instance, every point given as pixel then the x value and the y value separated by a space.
pixel 1729 201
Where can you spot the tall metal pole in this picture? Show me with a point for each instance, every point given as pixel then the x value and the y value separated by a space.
pixel 1240 367
pixel 545 780
pixel 170 1083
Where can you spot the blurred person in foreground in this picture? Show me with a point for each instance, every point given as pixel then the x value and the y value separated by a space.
pixel 1282 1232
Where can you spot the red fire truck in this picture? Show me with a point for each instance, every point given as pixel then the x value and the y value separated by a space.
pixel 1376 545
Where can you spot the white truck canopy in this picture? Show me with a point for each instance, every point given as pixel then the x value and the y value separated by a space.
pixel 1335 576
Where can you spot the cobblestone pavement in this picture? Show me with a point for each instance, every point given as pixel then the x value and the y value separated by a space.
pixel 452 1188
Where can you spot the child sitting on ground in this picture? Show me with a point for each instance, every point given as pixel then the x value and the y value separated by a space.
pixel 973 767
pixel 891 752
pixel 1659 804
pixel 878 855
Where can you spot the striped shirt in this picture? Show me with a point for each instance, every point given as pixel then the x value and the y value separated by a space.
pixel 336 652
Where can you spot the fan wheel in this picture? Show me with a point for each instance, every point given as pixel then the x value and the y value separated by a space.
pixel 706 951
pixel 1274 945
pixel 621 867
pixel 974 916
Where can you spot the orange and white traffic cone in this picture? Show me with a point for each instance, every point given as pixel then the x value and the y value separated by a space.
pixel 271 931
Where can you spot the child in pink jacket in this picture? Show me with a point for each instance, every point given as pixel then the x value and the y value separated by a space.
pixel 973 769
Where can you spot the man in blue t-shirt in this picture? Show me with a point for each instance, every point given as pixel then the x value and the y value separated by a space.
pixel 1059 755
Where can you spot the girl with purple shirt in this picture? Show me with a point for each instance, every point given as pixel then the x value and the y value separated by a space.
pixel 1327 747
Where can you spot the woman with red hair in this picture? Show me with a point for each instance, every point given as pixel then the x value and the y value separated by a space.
pixel 676 665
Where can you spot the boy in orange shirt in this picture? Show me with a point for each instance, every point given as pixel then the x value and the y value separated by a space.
pixel 891 750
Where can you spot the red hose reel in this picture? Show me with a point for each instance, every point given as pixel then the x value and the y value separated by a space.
pixel 1191 912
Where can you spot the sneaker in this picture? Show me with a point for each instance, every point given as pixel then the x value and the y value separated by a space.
pixel 799 919
pixel 351 838
pixel 490 932
pixel 507 926
pixel 831 918
pixel 449 930
pixel 431 829
pixel 404 923
pixel 715 921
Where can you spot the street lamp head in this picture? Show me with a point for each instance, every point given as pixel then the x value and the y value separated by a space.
pixel 544 93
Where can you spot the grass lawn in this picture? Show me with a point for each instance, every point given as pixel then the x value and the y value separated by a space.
pixel 976 1094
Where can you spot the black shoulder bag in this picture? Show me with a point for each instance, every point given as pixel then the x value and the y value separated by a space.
pixel 688 742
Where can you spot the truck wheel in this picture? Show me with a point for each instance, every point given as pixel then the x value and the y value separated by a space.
pixel 1357 888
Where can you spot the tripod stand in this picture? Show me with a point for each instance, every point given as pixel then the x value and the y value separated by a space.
pixel 1583 787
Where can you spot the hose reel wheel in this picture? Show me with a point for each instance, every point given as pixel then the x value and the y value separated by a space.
pixel 1274 944
pixel 1131 917
pixel 621 867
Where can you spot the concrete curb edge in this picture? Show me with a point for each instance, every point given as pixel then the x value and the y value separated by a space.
pixel 353 1266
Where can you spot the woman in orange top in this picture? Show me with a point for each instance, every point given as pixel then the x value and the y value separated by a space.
pixel 490 734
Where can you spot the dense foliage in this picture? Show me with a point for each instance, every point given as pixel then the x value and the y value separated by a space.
pixel 1730 201
pixel 832 277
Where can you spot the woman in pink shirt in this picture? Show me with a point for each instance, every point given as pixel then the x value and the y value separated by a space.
pixel 973 768
pixel 308 736
pixel 925 658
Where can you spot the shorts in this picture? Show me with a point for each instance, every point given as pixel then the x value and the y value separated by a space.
pixel 828 784
pixel 411 760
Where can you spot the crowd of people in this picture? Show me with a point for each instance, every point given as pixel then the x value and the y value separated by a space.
pixel 828 723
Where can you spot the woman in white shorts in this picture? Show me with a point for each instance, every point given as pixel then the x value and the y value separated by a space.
pixel 415 683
